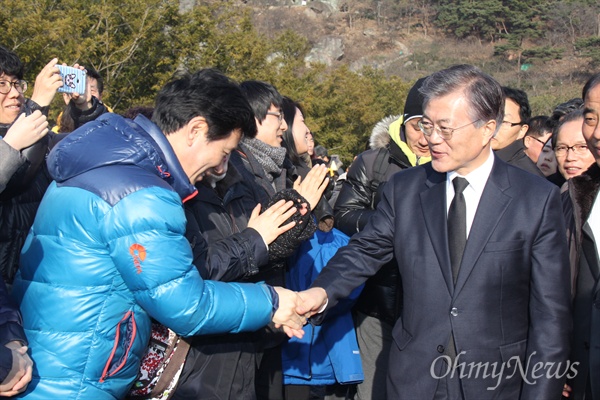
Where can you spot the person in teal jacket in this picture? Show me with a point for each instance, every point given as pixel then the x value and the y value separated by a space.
pixel 107 250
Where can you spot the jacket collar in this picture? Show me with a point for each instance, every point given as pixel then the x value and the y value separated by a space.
pixel 173 171
pixel 494 202
pixel 583 190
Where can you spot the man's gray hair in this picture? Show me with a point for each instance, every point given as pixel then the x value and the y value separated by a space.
pixel 483 93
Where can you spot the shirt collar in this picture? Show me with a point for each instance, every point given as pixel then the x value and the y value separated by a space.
pixel 478 177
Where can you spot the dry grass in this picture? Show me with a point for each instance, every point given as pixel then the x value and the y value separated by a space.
pixel 414 55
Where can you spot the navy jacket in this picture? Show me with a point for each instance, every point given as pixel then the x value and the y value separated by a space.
pixel 511 302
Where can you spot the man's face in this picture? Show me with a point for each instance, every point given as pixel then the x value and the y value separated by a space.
pixel 92 85
pixel 572 163
pixel 415 138
pixel 510 130
pixel 468 147
pixel 591 127
pixel 547 161
pixel 197 154
pixel 534 145
pixel 270 130
pixel 10 103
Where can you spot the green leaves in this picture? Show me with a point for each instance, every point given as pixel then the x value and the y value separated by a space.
pixel 137 45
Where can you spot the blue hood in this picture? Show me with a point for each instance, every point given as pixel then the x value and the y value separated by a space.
pixel 113 140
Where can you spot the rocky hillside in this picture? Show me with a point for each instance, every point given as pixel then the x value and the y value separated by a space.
pixel 346 33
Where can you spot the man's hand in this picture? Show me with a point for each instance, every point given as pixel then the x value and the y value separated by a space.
pixel 286 316
pixel 46 84
pixel 313 185
pixel 268 224
pixel 20 374
pixel 25 131
pixel 312 301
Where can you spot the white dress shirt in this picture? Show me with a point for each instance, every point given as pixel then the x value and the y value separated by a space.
pixel 477 180
pixel 594 222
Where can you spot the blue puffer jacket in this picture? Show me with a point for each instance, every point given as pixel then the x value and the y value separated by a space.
pixel 106 253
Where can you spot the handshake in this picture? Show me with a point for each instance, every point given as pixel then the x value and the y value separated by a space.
pixel 295 308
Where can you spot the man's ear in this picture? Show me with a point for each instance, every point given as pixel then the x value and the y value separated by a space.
pixel 526 141
pixel 522 131
pixel 489 131
pixel 196 130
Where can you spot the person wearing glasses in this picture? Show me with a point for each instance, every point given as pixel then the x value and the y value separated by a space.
pixel 484 268
pixel 27 184
pixel 396 144
pixel 261 162
pixel 508 143
pixel 537 135
pixel 570 147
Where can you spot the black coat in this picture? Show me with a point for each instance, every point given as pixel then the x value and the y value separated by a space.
pixel 222 366
pixel 216 220
pixel 585 277
pixel 382 295
pixel 514 154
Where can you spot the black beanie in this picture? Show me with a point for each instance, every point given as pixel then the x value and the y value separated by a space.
pixel 414 101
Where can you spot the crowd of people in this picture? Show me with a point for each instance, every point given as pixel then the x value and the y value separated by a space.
pixel 206 248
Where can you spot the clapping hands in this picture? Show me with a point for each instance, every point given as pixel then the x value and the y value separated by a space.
pixel 313 185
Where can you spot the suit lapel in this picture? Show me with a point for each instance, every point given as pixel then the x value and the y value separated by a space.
pixel 491 208
pixel 433 205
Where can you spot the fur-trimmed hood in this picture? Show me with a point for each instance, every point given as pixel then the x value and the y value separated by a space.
pixel 380 136
pixel 584 189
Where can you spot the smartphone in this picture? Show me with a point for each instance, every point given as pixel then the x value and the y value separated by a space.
pixel 73 80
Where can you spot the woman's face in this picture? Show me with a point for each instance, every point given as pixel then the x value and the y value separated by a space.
pixel 547 162
pixel 572 154
pixel 300 132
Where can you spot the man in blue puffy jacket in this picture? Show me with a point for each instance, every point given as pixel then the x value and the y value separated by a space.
pixel 107 250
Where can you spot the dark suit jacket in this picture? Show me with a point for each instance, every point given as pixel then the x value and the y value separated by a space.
pixel 511 300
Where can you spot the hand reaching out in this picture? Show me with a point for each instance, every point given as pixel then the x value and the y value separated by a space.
pixel 26 130
pixel 46 84
pixel 268 224
pixel 312 301
pixel 286 315
pixel 313 185
pixel 20 374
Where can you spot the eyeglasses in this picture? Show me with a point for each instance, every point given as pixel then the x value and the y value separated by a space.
pixel 512 123
pixel 579 149
pixel 536 139
pixel 279 115
pixel 445 133
pixel 6 86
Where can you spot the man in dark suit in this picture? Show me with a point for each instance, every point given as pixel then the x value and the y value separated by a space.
pixel 582 213
pixel 484 265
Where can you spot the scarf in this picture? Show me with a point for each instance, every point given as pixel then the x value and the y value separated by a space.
pixel 269 157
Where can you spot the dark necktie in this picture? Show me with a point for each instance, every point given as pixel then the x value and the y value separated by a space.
pixel 457 225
